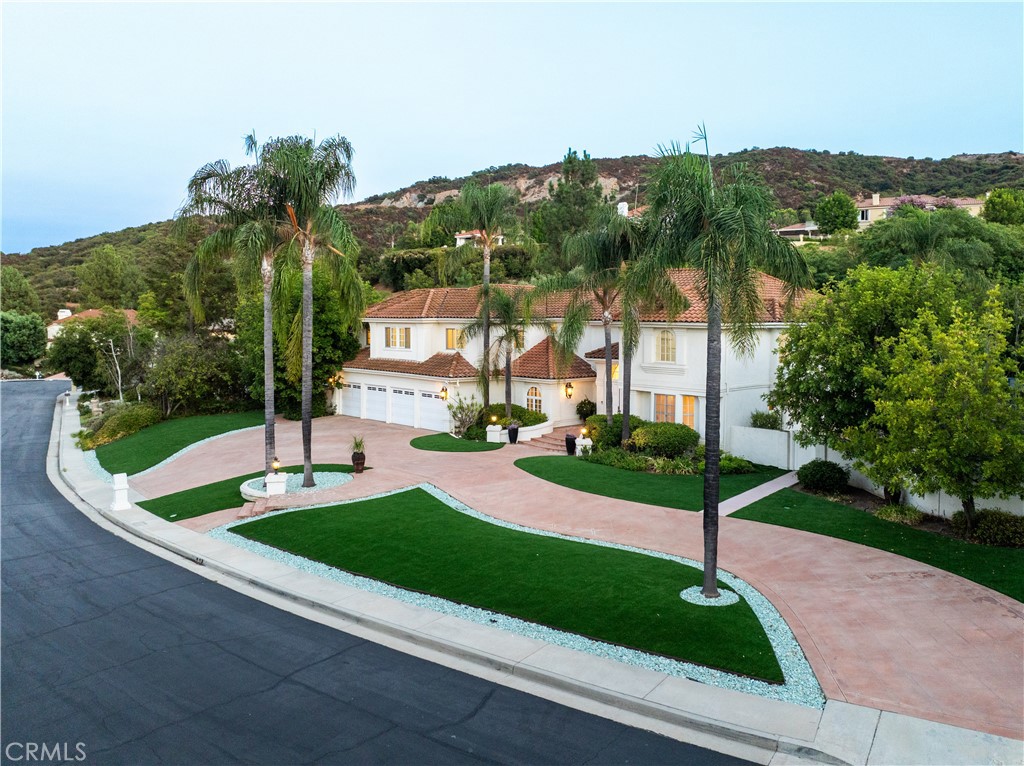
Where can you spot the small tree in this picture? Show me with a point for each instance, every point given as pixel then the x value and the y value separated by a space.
pixel 835 213
pixel 1004 206
pixel 954 420
pixel 17 293
pixel 110 277
pixel 22 338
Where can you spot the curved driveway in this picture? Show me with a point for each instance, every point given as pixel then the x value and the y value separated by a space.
pixel 142 661
pixel 879 630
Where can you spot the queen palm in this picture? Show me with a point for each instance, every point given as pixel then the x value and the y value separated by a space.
pixel 510 315
pixel 311 175
pixel 722 232
pixel 241 203
pixel 491 211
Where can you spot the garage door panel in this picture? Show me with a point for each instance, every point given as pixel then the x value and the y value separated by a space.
pixel 376 402
pixel 403 406
pixel 352 400
pixel 434 414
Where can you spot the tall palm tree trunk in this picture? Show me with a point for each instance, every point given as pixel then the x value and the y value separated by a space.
pixel 307 364
pixel 484 296
pixel 269 443
pixel 712 428
pixel 608 409
pixel 508 384
pixel 626 359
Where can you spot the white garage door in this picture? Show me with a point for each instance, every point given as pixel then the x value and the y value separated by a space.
pixel 434 412
pixel 403 406
pixel 376 402
pixel 351 400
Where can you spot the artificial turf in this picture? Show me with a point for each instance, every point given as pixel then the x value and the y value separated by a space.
pixel 217 496
pixel 416 542
pixel 1001 569
pixel 448 443
pixel 155 444
pixel 683 492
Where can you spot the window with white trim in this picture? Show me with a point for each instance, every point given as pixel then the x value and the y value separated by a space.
pixel 664 408
pixel 690 411
pixel 533 400
pixel 864 215
pixel 666 346
pixel 453 339
pixel 397 337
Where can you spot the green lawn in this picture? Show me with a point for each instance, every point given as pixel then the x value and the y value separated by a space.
pixel 683 492
pixel 446 443
pixel 155 444
pixel 1001 569
pixel 414 541
pixel 218 496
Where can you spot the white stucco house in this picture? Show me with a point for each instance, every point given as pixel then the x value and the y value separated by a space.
pixel 412 360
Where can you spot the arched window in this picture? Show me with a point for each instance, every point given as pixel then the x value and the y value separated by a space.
pixel 533 399
pixel 666 346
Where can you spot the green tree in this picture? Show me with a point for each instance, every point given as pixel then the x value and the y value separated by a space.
pixel 836 212
pixel 722 230
pixel 955 422
pixel 74 352
pixel 509 316
pixel 123 350
pixel 22 338
pixel 311 176
pixel 833 355
pixel 192 375
pixel 110 277
pixel 16 293
pixel 1004 206
pixel 828 263
pixel 573 201
pixel 491 211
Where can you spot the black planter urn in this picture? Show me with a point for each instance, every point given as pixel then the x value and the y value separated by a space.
pixel 358 461
pixel 513 434
pixel 570 444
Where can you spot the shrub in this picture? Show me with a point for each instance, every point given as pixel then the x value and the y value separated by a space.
pixel 603 437
pixel 900 514
pixel 665 439
pixel 465 413
pixel 124 422
pixel 522 415
pixel 992 527
pixel 823 476
pixel 586 409
pixel 728 464
pixel 769 420
pixel 616 457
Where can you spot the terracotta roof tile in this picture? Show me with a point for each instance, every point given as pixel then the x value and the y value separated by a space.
pixel 440 365
pixel 432 303
pixel 541 362
pixel 131 314
pixel 598 353
pixel 863 204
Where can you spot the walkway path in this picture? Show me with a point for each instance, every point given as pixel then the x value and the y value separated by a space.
pixel 879 630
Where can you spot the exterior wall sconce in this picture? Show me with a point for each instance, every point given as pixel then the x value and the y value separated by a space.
pixel 275 464
pixel 444 392
pixel 568 390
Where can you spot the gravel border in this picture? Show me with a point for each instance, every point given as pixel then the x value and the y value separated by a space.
pixel 800 687
pixel 293 484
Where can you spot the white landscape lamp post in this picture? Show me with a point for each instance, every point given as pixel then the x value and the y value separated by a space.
pixel 276 481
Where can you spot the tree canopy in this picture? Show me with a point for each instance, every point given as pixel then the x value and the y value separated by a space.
pixel 835 213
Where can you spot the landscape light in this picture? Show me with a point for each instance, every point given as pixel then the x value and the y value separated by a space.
pixel 275 464
pixel 568 390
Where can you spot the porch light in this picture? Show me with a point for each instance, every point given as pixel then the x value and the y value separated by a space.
pixel 494 418
pixel 275 464
pixel 444 392
pixel 568 390
pixel 583 431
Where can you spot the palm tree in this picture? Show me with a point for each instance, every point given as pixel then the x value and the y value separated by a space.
pixel 311 176
pixel 241 203
pixel 491 211
pixel 511 315
pixel 724 234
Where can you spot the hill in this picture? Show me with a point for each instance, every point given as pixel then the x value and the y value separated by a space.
pixel 799 178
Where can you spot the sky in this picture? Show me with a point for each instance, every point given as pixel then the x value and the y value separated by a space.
pixel 108 108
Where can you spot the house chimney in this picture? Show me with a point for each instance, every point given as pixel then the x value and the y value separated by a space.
pixel 623 208
pixel 876 200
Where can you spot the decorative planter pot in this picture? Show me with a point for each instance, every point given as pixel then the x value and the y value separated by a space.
pixel 513 434
pixel 570 444
pixel 358 461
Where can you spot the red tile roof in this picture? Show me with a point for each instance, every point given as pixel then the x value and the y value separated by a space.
pixel 131 314
pixel 598 353
pixel 461 302
pixel 542 362
pixel 863 204
pixel 440 365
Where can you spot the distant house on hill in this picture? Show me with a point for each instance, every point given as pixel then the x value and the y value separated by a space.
pixel 800 231
pixel 878 207
pixel 464 237
pixel 64 316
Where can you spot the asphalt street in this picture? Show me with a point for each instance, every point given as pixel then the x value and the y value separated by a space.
pixel 118 656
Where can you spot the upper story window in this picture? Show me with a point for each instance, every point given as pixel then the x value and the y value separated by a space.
pixel 666 346
pixel 453 338
pixel 864 214
pixel 520 339
pixel 533 399
pixel 397 337
pixel 367 337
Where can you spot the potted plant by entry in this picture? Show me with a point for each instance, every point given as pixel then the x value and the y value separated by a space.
pixel 358 456
pixel 513 431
